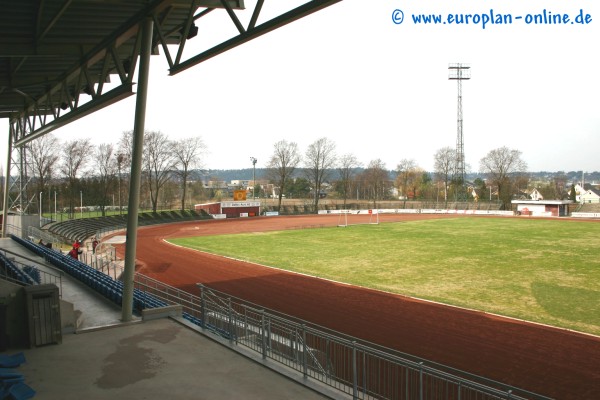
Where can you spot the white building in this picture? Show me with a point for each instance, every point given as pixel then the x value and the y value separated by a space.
pixel 590 196
pixel 536 195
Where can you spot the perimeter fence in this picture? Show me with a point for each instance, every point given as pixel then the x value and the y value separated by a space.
pixel 357 369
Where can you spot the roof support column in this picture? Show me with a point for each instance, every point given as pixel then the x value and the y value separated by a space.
pixel 7 181
pixel 136 169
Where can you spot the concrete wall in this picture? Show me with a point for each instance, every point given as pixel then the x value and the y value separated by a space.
pixel 18 225
pixel 13 329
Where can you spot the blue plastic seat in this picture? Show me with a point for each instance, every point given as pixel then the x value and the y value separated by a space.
pixel 11 361
pixel 9 373
pixel 21 391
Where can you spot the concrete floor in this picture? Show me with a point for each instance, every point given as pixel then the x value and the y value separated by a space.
pixel 165 358
pixel 157 359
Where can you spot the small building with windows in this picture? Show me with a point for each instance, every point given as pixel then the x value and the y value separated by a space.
pixel 235 209
pixel 230 209
pixel 542 208
pixel 590 196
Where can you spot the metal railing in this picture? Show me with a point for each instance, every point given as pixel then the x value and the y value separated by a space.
pixel 35 234
pixel 12 229
pixel 107 230
pixel 36 274
pixel 356 369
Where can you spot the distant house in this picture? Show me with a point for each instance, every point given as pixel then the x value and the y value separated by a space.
pixel 215 185
pixel 590 196
pixel 536 195
pixel 579 190
pixel 239 183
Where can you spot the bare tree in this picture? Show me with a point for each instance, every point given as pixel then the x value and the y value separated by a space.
pixel 319 160
pixel 43 153
pixel 158 163
pixel 426 187
pixel 123 157
pixel 74 155
pixel 105 165
pixel 282 165
pixel 555 188
pixel 346 167
pixel 406 171
pixel 502 166
pixel 125 146
pixel 417 182
pixel 521 183
pixel 188 153
pixel 120 160
pixel 444 160
pixel 559 183
pixel 376 181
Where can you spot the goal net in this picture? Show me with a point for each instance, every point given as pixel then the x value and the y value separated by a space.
pixel 357 217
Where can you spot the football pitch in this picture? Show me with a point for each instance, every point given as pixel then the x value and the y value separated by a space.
pixel 545 271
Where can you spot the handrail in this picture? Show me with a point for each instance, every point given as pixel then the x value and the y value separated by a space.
pixel 324 355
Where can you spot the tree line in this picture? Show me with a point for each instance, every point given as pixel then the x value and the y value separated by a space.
pixel 504 169
pixel 75 167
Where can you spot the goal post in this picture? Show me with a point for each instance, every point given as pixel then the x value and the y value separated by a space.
pixel 358 217
pixel 374 217
pixel 343 218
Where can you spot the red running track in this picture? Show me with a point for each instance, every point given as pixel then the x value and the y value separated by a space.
pixel 549 361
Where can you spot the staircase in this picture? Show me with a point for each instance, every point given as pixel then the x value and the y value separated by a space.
pixel 589 208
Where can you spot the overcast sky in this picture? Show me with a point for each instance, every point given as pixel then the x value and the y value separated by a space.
pixel 380 90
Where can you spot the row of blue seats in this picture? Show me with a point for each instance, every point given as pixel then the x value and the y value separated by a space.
pixel 104 284
pixel 107 286
pixel 33 273
pixel 15 272
pixel 81 271
pixel 93 278
pixel 96 280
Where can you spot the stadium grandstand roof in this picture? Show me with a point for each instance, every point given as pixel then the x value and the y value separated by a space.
pixel 57 57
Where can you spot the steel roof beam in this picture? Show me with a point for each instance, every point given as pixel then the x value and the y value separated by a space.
pixel 105 100
pixel 254 32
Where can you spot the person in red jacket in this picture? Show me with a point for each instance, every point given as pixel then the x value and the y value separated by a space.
pixel 74 253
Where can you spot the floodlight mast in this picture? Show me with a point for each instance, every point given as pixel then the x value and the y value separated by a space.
pixel 459 72
pixel 253 160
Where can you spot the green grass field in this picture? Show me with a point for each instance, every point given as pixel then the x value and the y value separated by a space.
pixel 546 271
